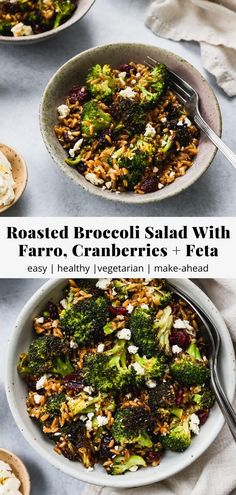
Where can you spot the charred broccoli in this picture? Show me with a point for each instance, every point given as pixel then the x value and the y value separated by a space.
pixel 108 370
pixel 85 403
pixel 153 368
pixel 85 319
pixel 161 396
pixel 130 426
pixel 179 437
pixel 76 445
pixel 190 369
pixel 135 167
pixel 93 119
pixel 152 89
pixel 204 399
pixel 100 82
pixel 54 403
pixel 64 9
pixel 121 464
pixel 141 326
pixel 128 116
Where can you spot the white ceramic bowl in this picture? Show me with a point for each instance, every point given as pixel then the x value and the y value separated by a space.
pixel 82 9
pixel 73 73
pixel 171 463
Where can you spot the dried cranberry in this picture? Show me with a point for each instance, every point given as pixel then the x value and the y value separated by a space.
pixel 149 185
pixel 180 338
pixel 153 456
pixel 74 382
pixel 105 452
pixel 203 415
pixel 183 136
pixel 53 311
pixel 119 310
pixel 127 68
pixel 79 93
pixel 103 142
pixel 179 396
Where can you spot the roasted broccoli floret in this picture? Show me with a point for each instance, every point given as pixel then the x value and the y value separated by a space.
pixel 130 426
pixel 190 369
pixel 179 437
pixel 64 9
pixel 108 370
pixel 161 298
pixel 100 82
pixel 46 354
pixel 204 399
pixel 93 119
pixel 121 465
pixel 5 28
pixel 85 319
pixel 166 144
pixel 77 446
pixel 162 328
pixel 152 89
pixel 163 395
pixel 154 368
pixel 122 289
pixel 54 403
pixel 128 116
pixel 84 403
pixel 135 167
pixel 143 336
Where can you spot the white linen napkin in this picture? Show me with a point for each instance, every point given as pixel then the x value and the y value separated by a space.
pixel 212 23
pixel 214 472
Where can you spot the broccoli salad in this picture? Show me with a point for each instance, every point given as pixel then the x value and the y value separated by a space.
pixel 117 373
pixel 25 17
pixel 125 130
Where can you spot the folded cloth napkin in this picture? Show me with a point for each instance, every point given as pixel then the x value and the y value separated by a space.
pixel 214 472
pixel 210 22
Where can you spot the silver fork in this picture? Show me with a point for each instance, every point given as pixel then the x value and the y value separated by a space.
pixel 213 339
pixel 190 99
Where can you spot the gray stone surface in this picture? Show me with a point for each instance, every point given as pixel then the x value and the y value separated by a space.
pixel 25 71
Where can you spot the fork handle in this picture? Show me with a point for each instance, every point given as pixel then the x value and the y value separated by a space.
pixel 224 404
pixel 230 155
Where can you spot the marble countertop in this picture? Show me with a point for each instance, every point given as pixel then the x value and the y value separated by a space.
pixel 25 70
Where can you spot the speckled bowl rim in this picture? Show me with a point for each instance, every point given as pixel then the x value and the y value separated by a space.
pixel 24 40
pixel 150 475
pixel 127 198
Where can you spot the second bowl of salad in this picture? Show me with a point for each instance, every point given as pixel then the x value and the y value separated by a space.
pixel 115 127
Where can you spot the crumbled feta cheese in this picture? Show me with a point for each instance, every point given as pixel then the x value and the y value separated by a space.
pixel 41 382
pixel 108 185
pixel 55 323
pixel 103 283
pixel 63 111
pixel 21 29
pixel 155 170
pixel 160 186
pixel 138 368
pixel 133 349
pixel 9 483
pixel 130 308
pixel 149 131
pixel 91 177
pixel 151 383
pixel 7 184
pixel 90 469
pixel 63 303
pixel 76 147
pixel 182 324
pixel 37 398
pixel 176 349
pixel 83 417
pixel 194 424
pixel 128 93
pixel 186 122
pixel 89 425
pixel 144 306
pixel 138 75
pixel 164 120
pixel 100 347
pixel 172 174
pixel 120 317
pixel 102 420
pixel 88 389
pixel 124 333
pixel 90 415
pixel 39 320
pixel 129 395
pixel 133 469
pixel 122 75
pixel 73 345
